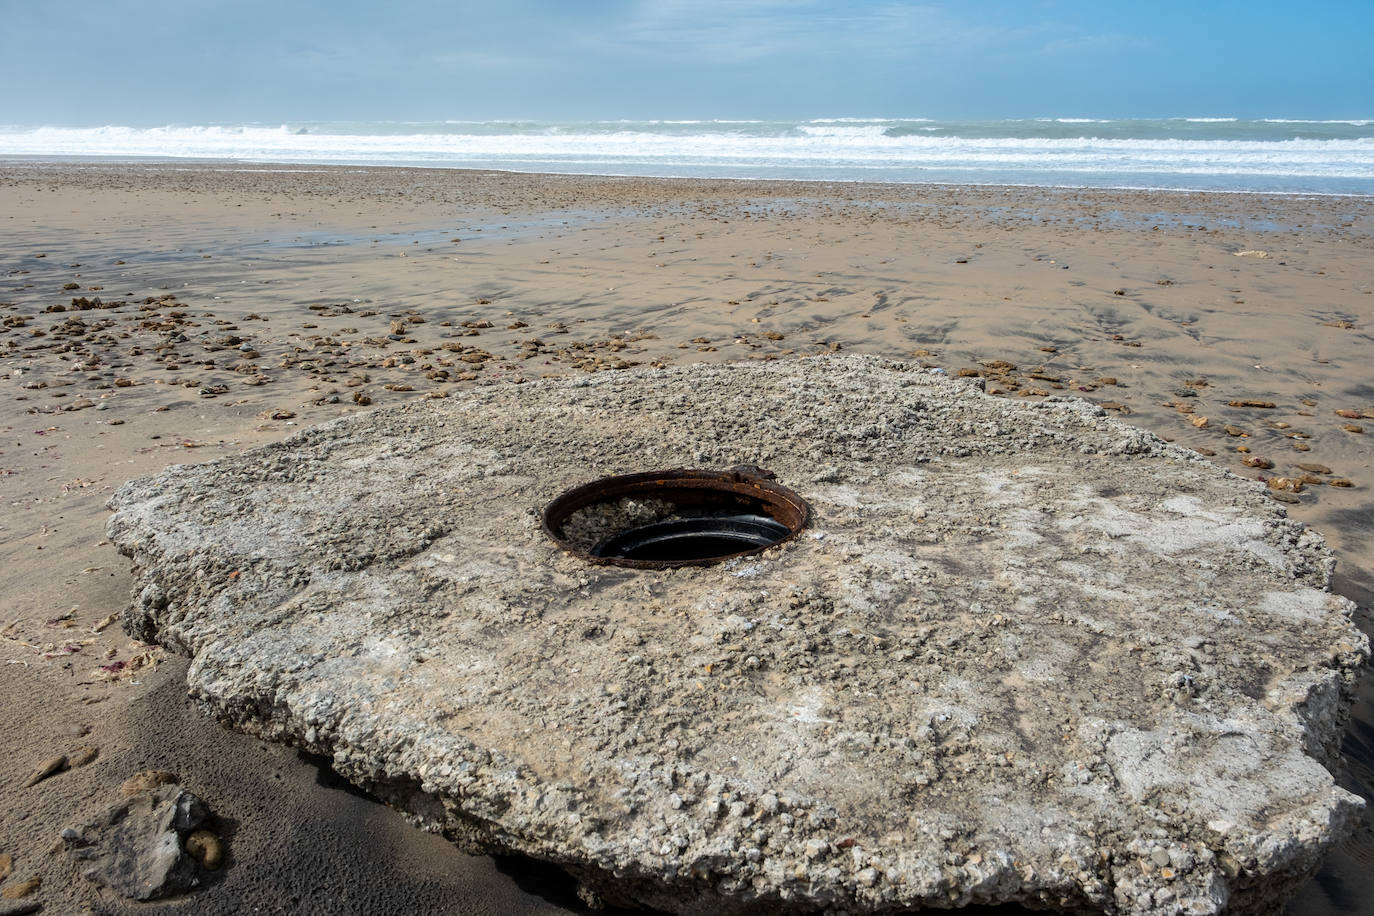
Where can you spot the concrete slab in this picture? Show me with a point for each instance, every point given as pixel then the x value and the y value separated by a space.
pixel 1023 653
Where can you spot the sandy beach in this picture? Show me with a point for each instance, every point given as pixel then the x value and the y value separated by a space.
pixel 159 314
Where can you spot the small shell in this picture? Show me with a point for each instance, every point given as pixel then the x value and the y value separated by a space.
pixel 47 768
pixel 206 848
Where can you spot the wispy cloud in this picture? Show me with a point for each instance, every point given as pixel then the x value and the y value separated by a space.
pixel 484 60
pixel 1093 44
pixel 726 31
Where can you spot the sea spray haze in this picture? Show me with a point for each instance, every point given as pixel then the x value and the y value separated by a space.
pixel 1184 153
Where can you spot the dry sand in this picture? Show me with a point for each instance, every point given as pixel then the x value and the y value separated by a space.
pixel 237 303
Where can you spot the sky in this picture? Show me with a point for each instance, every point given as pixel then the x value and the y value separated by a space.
pixel 151 62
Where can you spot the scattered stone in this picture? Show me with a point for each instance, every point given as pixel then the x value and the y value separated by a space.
pixel 6 863
pixel 22 888
pixel 1250 402
pixel 1257 462
pixel 1252 253
pixel 136 847
pixel 1313 468
pixel 50 767
pixel 591 698
pixel 1352 428
pixel 1341 482
pixel 1199 422
pixel 1234 431
pixel 146 781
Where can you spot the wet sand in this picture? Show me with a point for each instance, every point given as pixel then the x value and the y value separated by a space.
pixel 159 313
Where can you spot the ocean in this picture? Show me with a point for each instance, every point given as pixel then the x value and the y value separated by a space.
pixel 1226 154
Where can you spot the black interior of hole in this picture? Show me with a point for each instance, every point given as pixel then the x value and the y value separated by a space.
pixel 695 537
pixel 677 517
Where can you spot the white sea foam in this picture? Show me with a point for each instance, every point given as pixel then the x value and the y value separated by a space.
pixel 1224 153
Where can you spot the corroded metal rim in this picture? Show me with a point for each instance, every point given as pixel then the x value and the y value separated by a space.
pixel 745 488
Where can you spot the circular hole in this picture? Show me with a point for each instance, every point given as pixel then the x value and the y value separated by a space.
pixel 664 519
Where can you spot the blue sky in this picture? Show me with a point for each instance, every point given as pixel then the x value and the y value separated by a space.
pixel 149 62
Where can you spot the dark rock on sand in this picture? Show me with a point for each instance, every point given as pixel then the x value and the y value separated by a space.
pixel 136 846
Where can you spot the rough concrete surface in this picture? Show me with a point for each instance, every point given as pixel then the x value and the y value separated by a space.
pixel 1024 652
